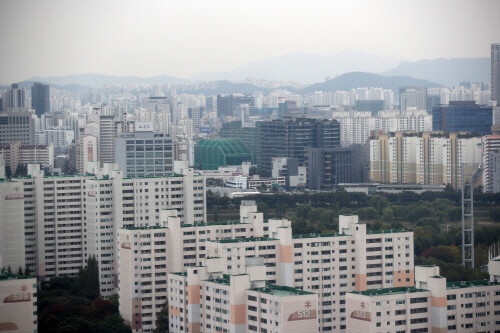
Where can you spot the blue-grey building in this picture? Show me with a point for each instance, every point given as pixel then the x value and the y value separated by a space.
pixel 144 154
pixel 463 116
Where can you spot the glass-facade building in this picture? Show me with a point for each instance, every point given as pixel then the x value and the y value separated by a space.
pixel 144 154
pixel 463 116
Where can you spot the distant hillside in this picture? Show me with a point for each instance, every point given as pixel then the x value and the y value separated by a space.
pixel 98 80
pixel 28 84
pixel 305 67
pixel 353 80
pixel 448 72
pixel 225 87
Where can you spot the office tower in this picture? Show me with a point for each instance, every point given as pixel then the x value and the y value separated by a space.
pixel 14 99
pixel 89 209
pixel 244 257
pixel 230 105
pixel 19 302
pixel 210 154
pixel 373 106
pixel 432 101
pixel 59 137
pixel 107 139
pixel 412 97
pixel 86 151
pixel 17 126
pixel 491 163
pixel 422 158
pixel 463 116
pixel 249 136
pixel 210 102
pixel 40 98
pixel 290 138
pixel 144 154
pixel 195 115
pixel 327 167
pixel 495 73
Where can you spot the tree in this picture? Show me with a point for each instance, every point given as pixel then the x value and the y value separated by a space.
pixel 162 320
pixel 379 202
pixel 303 211
pixel 262 207
pixel 20 271
pixel 9 270
pixel 388 215
pixel 368 213
pixel 88 279
pixel 495 213
pixel 280 210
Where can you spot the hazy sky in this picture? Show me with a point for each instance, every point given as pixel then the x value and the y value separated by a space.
pixel 184 38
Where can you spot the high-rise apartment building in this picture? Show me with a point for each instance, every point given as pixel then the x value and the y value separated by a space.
pixel 86 150
pixel 40 98
pixel 107 139
pixel 252 265
pixel 66 219
pixel 432 305
pixel 491 163
pixel 290 138
pixel 16 154
pixel 14 99
pixel 412 97
pixel 18 296
pixel 431 158
pixel 463 116
pixel 144 154
pixel 17 126
pixel 495 73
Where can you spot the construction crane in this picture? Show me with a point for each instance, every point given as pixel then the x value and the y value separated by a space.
pixel 470 175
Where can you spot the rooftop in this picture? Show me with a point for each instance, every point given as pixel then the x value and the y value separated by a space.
pixel 180 273
pixel 225 280
pixel 145 228
pixel 4 275
pixel 388 291
pixel 209 224
pixel 372 232
pixel 316 235
pixel 276 290
pixel 470 284
pixel 245 240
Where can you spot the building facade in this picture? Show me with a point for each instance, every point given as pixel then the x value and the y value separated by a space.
pixel 17 126
pixel 16 154
pixel 433 305
pixel 40 98
pixel 490 148
pixel 144 154
pixel 326 265
pixel 18 296
pixel 290 138
pixel 423 158
pixel 210 154
pixel 495 73
pixel 66 219
pixel 463 116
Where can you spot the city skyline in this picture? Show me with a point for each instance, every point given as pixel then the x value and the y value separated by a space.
pixel 184 40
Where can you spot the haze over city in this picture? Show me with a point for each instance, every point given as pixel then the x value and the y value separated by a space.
pixel 249 166
pixel 186 38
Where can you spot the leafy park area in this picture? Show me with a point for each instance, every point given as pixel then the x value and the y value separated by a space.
pixel 73 305
pixel 434 217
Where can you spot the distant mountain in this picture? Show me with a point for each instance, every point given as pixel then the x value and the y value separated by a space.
pixel 448 72
pixel 305 67
pixel 353 80
pixel 98 80
pixel 224 87
pixel 28 84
